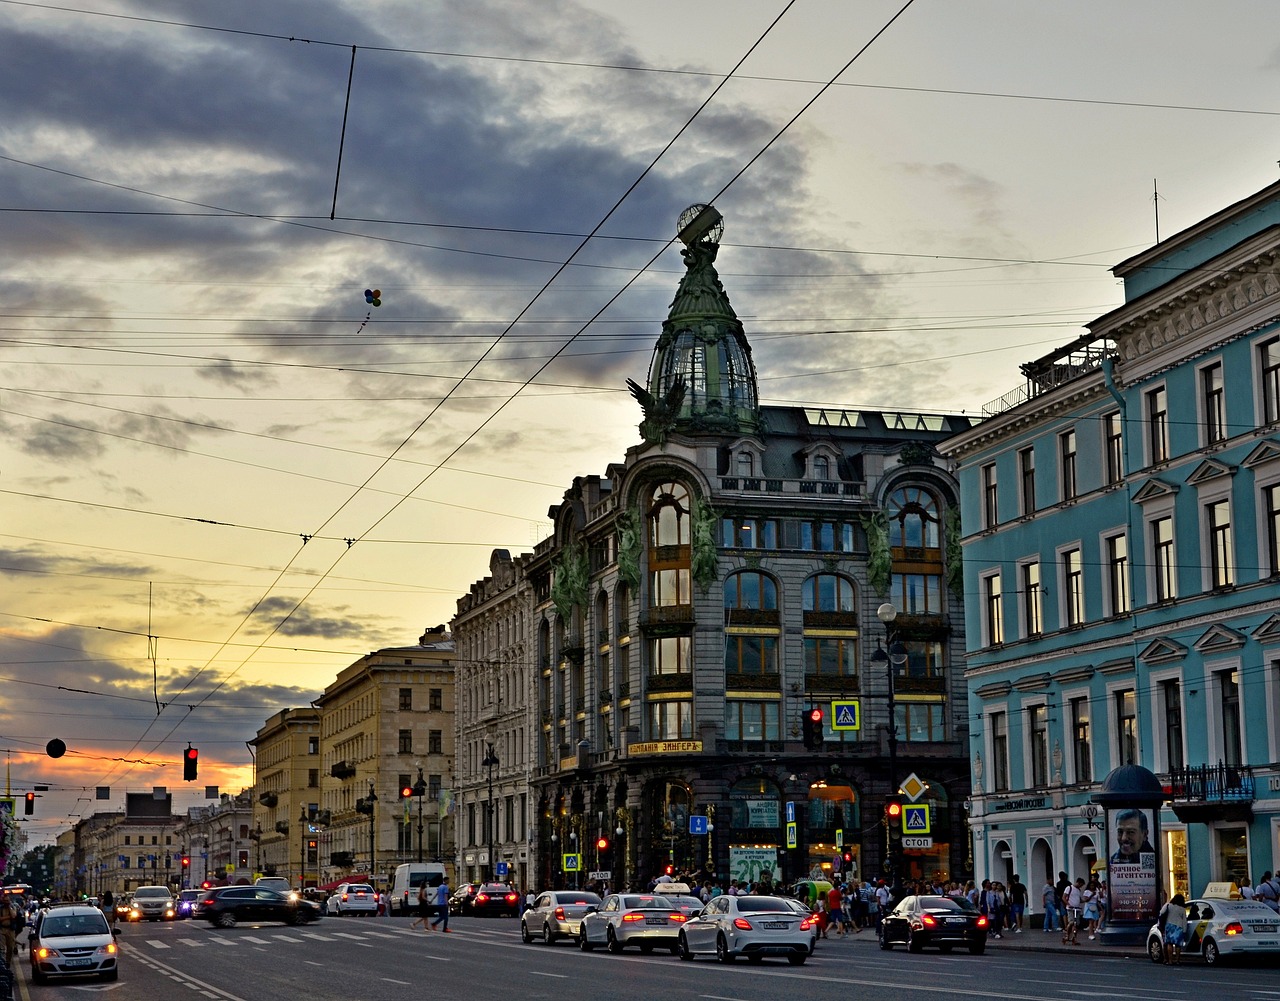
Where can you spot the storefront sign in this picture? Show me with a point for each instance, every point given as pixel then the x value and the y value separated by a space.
pixel 762 812
pixel 666 747
pixel 1030 803
pixel 747 863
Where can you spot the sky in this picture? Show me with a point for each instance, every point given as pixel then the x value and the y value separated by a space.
pixel 224 476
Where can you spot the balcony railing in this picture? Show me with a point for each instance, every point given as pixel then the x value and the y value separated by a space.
pixel 1200 793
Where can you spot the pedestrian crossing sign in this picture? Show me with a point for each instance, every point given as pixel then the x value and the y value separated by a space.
pixel 846 715
pixel 572 862
pixel 915 819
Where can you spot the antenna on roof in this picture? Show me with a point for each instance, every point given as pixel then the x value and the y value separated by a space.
pixel 1155 200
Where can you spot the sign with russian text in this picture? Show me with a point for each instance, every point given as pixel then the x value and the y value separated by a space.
pixel 747 863
pixel 666 747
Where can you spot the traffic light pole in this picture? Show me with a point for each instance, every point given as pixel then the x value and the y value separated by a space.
pixel 893 658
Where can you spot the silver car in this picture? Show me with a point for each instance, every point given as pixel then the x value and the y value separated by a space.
pixel 69 941
pixel 748 925
pixel 556 914
pixel 647 920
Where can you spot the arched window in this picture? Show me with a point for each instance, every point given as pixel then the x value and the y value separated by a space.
pixel 826 592
pixel 750 607
pixel 821 467
pixel 913 519
pixel 750 589
pixel 831 639
pixel 916 551
pixel 746 464
pixel 669 552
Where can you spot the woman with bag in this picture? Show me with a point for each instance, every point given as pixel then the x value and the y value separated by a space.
pixel 1090 900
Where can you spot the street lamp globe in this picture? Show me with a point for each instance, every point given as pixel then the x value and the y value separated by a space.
pixel 886 613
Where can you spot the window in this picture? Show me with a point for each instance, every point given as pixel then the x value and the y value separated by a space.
pixel 1222 572
pixel 1166 571
pixel 1271 515
pixel 915 551
pixel 1127 727
pixel 126 839
pixel 831 656
pixel 1080 752
pixel 993 606
pixel 750 654
pixel 1113 446
pixel 827 536
pixel 990 497
pixel 1072 587
pixel 669 552
pixel 670 720
pixel 826 592
pixel 821 467
pixel 1171 697
pixel 313 778
pixel 751 720
pixel 434 785
pixel 406 741
pixel 406 698
pixel 1032 600
pixel 435 699
pixel 1213 401
pixel 746 464
pixel 435 742
pixel 1229 697
pixel 919 721
pixel 313 745
pixel 1038 724
pixel 1269 367
pixel 749 590
pixel 1117 550
pixel 999 724
pixel 669 655
pixel 1027 479
pixel 749 533
pixel 1067 464
pixel 1158 425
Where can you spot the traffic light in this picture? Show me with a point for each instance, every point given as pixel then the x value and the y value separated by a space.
pixel 893 819
pixel 30 806
pixel 190 762
pixel 669 869
pixel 406 792
pixel 848 857
pixel 186 861
pixel 813 733
pixel 602 851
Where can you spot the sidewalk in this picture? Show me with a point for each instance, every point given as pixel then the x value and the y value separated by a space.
pixel 1028 940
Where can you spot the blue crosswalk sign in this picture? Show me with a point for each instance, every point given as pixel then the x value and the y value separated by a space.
pixel 915 819
pixel 846 715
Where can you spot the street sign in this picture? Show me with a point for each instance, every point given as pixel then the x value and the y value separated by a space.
pixel 839 837
pixel 698 823
pixel 793 836
pixel 501 869
pixel 572 863
pixel 846 715
pixel 926 842
pixel 791 813
pixel 915 819
pixel 604 875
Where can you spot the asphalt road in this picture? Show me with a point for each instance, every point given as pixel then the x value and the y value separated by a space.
pixel 371 959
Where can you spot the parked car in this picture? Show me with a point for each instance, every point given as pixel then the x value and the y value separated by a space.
pixel 186 900
pixel 226 906
pixel 153 903
pixel 1223 929
pixel 72 941
pixel 933 920
pixel 556 914
pixel 748 925
pixel 487 900
pixel 353 898
pixel 647 920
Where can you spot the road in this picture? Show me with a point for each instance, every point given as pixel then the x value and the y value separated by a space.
pixel 381 959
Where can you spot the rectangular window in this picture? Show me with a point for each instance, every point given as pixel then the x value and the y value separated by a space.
pixel 670 720
pixel 1073 587
pixel 1222 571
pixel 1113 446
pixel 1038 723
pixel 1229 696
pixel 1027 477
pixel 916 593
pixel 1032 600
pixel 1067 464
pixel 1271 515
pixel 749 533
pixel 1213 400
pixel 406 741
pixel 751 654
pixel 1117 547
pixel 1081 755
pixel 990 506
pixel 751 720
pixel 1158 425
pixel 999 752
pixel 993 602
pixel 435 699
pixel 1171 696
pixel 434 785
pixel 1166 571
pixel 831 656
pixel 406 698
pixel 313 778
pixel 313 745
pixel 669 655
pixel 1127 727
pixel 1269 368
pixel 919 721
pixel 435 742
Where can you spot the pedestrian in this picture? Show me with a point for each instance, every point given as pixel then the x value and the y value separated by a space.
pixel 1173 929
pixel 1017 903
pixel 1103 901
pixel 1090 899
pixel 1074 899
pixel 442 907
pixel 12 921
pixel 1246 891
pixel 1049 901
pixel 424 906
pixel 109 910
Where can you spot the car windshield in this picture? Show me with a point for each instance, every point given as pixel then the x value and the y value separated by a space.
pixel 577 898
pixel 637 901
pixel 150 891
pixel 760 904
pixel 57 926
pixel 945 904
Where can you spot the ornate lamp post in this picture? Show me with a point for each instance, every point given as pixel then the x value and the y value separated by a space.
pixel 490 760
pixel 893 660
pixel 372 799
pixel 420 790
pixel 302 850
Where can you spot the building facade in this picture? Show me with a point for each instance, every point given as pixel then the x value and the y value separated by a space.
pixel 1121 517
pixel 286 787
pixel 697 602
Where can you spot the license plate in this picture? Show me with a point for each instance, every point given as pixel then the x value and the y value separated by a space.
pixel 773 924
pixel 955 921
pixel 1266 927
pixel 78 962
pixel 655 921
pixel 1269 941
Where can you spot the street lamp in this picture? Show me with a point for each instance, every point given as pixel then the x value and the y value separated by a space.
pixel 490 760
pixel 302 852
pixel 420 790
pixel 371 799
pixel 892 660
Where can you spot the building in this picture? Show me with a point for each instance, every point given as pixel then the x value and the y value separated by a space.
pixel 695 604
pixel 138 847
pixel 216 843
pixel 286 786
pixel 386 726
pixel 1121 518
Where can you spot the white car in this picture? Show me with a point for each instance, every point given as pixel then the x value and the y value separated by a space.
pixel 1222 929
pixel 556 914
pixel 648 920
pixel 70 941
pixel 353 898
pixel 748 925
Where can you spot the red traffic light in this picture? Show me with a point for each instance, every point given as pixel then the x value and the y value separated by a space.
pixel 30 807
pixel 602 844
pixel 190 763
pixel 669 869
pixel 893 810
pixel 848 856
pixel 406 792
pixel 186 861
pixel 815 715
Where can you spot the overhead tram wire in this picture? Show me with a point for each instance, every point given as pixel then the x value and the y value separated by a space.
pixel 460 382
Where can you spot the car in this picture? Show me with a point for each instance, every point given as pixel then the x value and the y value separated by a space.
pixel 72 941
pixel 402 898
pixel 748 925
pixel 648 920
pixel 276 883
pixel 461 897
pixel 152 903
pixel 186 900
pixel 493 900
pixel 226 906
pixel 682 898
pixel 124 905
pixel 353 898
pixel 556 914
pixel 1222 929
pixel 929 919
pixel 806 912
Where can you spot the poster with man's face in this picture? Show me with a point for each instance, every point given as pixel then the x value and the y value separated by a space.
pixel 1131 866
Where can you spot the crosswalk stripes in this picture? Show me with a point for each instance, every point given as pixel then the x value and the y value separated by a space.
pixel 267 936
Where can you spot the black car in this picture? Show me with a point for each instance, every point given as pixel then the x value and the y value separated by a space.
pixel 224 906
pixel 485 900
pixel 932 920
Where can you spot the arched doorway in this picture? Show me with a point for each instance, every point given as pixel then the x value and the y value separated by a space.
pixel 755 829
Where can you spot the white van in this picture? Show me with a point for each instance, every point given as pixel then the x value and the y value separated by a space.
pixel 403 896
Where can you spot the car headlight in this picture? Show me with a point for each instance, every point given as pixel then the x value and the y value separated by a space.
pixel 107 950
pixel 46 953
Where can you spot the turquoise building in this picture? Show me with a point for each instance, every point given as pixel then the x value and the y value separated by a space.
pixel 1121 540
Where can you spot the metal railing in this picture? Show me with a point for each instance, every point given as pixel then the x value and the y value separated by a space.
pixel 1220 783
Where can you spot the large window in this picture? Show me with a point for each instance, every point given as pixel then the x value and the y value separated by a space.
pixel 1032 600
pixel 1067 464
pixel 1171 699
pixel 1027 478
pixel 828 536
pixel 1072 587
pixel 990 497
pixel 751 719
pixel 1229 698
pixel 1269 370
pixel 993 608
pixel 1127 727
pixel 670 720
pixel 1038 724
pixel 1081 755
pixel 669 553
pixel 749 589
pixel 828 593
pixel 1166 570
pixel 1117 555
pixel 749 533
pixel 830 629
pixel 1158 425
pixel 916 551
pixel 999 724
pixel 1213 402
pixel 670 654
pixel 1222 570
pixel 1113 446
pixel 919 721
pixel 831 656
pixel 750 654
pixel 1271 516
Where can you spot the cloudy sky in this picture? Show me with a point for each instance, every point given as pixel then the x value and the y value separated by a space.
pixel 223 476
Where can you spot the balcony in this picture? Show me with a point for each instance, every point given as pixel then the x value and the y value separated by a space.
pixel 753 682
pixel 842 684
pixel 1199 794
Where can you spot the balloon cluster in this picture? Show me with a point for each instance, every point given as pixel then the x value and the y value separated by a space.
pixel 373 296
